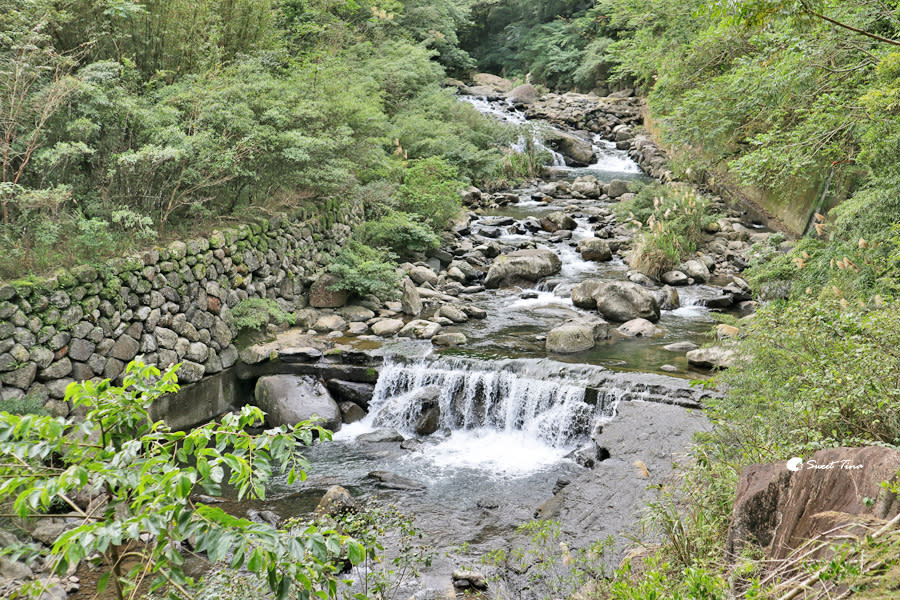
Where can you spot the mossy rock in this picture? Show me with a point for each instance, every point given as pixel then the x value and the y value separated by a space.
pixel 66 279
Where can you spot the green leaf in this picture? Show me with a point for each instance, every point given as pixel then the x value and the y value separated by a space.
pixel 356 552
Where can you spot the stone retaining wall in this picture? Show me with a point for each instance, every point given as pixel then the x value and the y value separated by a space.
pixel 166 305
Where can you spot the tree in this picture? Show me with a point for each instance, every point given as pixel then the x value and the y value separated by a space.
pixel 34 85
pixel 132 483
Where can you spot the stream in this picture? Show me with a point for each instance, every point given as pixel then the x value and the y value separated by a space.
pixel 512 416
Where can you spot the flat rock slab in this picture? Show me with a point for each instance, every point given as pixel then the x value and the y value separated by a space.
pixel 644 441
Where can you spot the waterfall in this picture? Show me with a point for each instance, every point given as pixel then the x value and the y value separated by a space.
pixel 504 110
pixel 471 397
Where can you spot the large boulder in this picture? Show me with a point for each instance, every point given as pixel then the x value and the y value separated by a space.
pixel 594 249
pixel 558 220
pixel 336 501
pixel 623 301
pixel 522 266
pixel 322 296
pixel 421 329
pixel 696 270
pixel 523 94
pixel 577 335
pixel 639 328
pixel 578 151
pixel 714 357
pixel 493 81
pixel 289 399
pixel 780 506
pixel 583 293
pixel 410 299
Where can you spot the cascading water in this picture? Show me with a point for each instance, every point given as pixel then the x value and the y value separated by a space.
pixel 470 398
pixel 505 111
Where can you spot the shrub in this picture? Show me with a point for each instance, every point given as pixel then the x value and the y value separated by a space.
pixel 150 476
pixel 430 190
pixel 399 232
pixel 365 270
pixel 670 231
pixel 256 313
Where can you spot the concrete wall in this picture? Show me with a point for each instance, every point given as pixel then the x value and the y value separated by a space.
pixel 165 305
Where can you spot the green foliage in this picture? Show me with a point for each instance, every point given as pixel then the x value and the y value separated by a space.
pixel 385 578
pixel 134 121
pixel 430 191
pixel 364 270
pixel 822 375
pixel 401 233
pixel 669 232
pixel 257 313
pixel 143 477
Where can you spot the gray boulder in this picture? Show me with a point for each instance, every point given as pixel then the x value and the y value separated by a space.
pixel 674 278
pixel 617 188
pixel 583 293
pixel 623 301
pixel 386 327
pixel 522 266
pixel 558 220
pixel 714 357
pixel 639 328
pixel 578 151
pixel 594 249
pixel 695 269
pixel 410 299
pixel 577 335
pixel 523 94
pixel 289 399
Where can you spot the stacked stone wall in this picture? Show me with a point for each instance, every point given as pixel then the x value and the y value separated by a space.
pixel 165 305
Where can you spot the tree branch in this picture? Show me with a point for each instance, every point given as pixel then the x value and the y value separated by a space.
pixel 869 34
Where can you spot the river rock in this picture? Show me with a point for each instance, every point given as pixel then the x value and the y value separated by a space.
pixel 523 94
pixel 558 220
pixel 667 298
pixel 681 347
pixel 330 323
pixel 337 501
pixel 714 357
pixel 352 391
pixel 351 412
pixel 454 313
pixel 380 436
pixel 696 270
pixel 522 266
pixel 396 482
pixel 321 296
pixel 577 335
pixel 427 402
pixel 587 186
pixel 289 399
pixel 421 329
pixel 583 293
pixel 594 249
pixel 420 275
pixel 578 151
pixel 674 278
pixel 623 301
pixel 355 313
pixel 386 327
pixel 449 339
pixel 617 188
pixel 639 328
pixel 496 82
pixel 410 299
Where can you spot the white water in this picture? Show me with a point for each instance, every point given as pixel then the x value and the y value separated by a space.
pixel 506 112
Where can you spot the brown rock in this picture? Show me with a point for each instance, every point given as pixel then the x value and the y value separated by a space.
pixel 320 296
